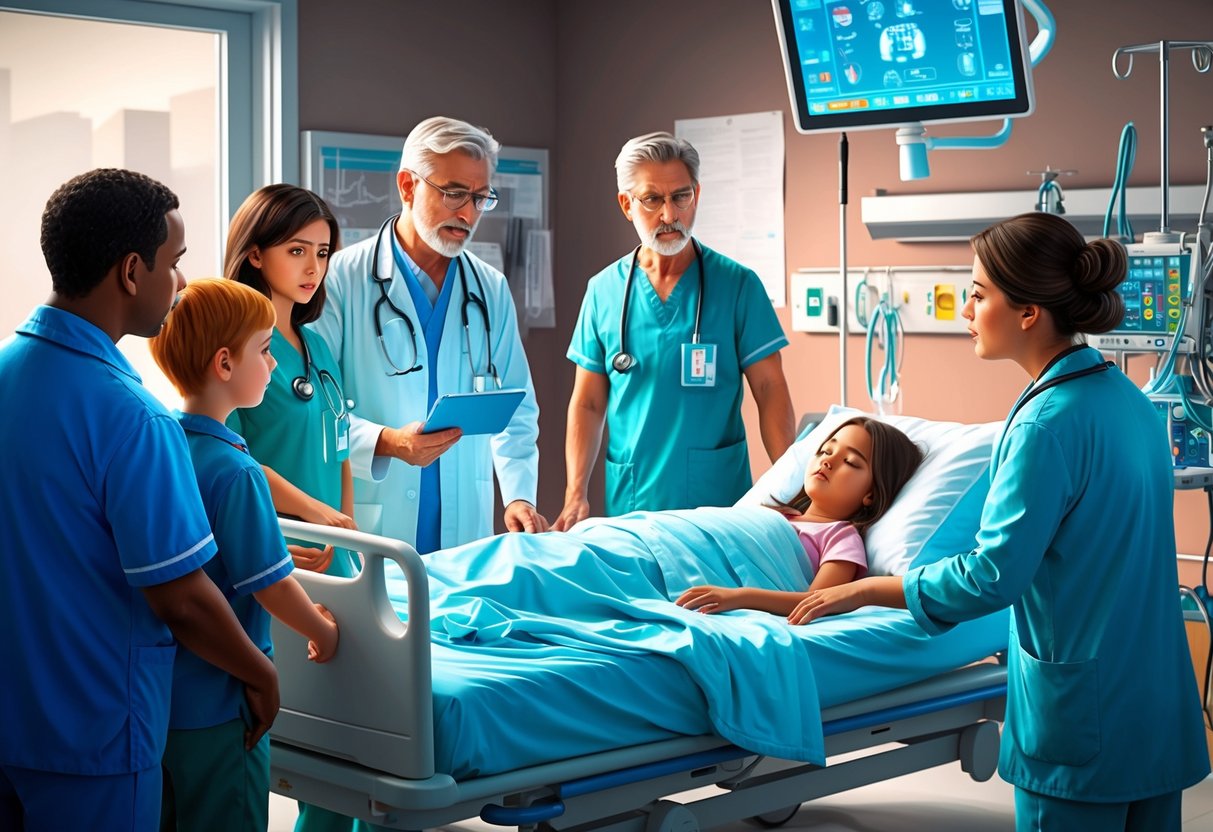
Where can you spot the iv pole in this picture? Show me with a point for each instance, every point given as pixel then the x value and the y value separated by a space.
pixel 842 268
pixel 1202 56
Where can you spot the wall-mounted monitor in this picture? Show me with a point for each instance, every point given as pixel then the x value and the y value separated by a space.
pixel 862 64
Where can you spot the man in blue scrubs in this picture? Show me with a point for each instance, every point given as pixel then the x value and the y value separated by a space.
pixel 664 338
pixel 101 527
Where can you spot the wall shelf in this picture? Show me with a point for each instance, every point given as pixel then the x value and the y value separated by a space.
pixel 925 218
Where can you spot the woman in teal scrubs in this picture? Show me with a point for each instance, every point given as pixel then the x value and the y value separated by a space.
pixel 1103 727
pixel 279 243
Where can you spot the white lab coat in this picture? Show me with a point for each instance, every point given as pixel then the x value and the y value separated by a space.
pixel 387 490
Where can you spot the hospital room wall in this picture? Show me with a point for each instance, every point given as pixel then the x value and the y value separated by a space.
pixel 581 78
pixel 625 69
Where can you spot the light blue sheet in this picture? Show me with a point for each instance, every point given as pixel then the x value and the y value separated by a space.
pixel 622 665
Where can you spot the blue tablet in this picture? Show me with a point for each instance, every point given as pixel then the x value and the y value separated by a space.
pixel 474 413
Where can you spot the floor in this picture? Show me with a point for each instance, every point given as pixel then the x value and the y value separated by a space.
pixel 943 799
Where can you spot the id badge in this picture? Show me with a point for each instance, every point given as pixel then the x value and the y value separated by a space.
pixel 337 436
pixel 698 365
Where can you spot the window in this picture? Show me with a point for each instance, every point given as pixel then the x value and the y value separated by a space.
pixel 190 94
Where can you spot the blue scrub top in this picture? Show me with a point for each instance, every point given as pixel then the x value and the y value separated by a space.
pixel 97 499
pixel 431 317
pixel 252 555
pixel 1077 535
pixel 671 446
pixel 297 438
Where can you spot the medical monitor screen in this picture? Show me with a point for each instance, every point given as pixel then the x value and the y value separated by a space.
pixel 1153 293
pixel 1153 290
pixel 857 64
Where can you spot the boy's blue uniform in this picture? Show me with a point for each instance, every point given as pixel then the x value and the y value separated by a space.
pixel 97 499
pixel 252 556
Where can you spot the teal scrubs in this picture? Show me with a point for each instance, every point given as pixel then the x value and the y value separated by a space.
pixel 297 438
pixel 1077 536
pixel 670 446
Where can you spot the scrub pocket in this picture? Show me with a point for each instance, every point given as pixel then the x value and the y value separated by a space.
pixel 620 488
pixel 718 477
pixel 1053 712
pixel 151 680
pixel 369 517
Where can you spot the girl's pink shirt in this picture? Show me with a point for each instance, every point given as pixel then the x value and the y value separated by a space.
pixel 838 540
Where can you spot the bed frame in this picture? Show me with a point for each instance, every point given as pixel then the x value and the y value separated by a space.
pixel 356 735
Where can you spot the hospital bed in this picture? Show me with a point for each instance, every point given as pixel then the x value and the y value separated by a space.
pixel 411 732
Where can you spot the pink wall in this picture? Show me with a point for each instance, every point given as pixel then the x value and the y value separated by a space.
pixel 581 78
pixel 626 69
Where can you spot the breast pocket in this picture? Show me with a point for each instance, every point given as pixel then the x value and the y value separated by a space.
pixel 1053 711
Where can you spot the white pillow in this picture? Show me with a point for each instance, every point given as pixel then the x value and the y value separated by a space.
pixel 937 513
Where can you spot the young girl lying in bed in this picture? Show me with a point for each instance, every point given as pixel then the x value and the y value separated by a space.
pixel 848 485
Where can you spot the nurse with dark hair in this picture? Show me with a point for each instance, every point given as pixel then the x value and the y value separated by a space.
pixel 1103 728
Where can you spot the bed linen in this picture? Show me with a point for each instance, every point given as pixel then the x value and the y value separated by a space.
pixel 553 646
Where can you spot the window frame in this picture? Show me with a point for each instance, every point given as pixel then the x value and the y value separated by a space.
pixel 259 84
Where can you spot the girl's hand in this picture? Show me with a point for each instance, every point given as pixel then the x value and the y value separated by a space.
pixel 323 514
pixel 829 601
pixel 323 649
pixel 313 560
pixel 711 599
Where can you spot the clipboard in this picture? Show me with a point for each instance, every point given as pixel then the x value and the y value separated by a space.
pixel 474 413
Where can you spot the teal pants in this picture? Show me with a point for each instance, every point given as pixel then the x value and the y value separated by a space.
pixel 1040 813
pixel 315 819
pixel 212 783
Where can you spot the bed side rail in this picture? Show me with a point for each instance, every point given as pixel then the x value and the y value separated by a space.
pixel 373 702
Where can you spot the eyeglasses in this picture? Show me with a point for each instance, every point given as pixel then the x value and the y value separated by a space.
pixel 655 202
pixel 454 200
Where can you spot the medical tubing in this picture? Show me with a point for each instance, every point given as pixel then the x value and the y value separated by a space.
pixel 1206 706
pixel 1126 154
pixel 861 309
pixel 893 333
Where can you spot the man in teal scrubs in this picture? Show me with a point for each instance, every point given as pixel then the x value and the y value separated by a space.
pixel 667 380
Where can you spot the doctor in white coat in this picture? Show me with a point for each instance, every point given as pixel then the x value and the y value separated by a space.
pixel 411 316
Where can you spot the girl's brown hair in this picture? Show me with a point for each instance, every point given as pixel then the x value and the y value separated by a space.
pixel 894 460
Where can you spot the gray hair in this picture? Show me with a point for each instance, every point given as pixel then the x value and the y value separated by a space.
pixel 654 147
pixel 440 135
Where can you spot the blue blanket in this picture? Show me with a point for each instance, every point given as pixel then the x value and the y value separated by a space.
pixel 608 587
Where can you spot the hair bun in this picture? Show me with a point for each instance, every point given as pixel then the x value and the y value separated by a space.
pixel 1100 266
pixel 1099 269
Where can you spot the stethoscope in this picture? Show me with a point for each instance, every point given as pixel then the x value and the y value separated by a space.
pixel 1061 379
pixel 304 389
pixel 469 299
pixel 624 360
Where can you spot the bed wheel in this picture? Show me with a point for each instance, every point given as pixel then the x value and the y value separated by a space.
pixel 979 750
pixel 668 816
pixel 773 820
